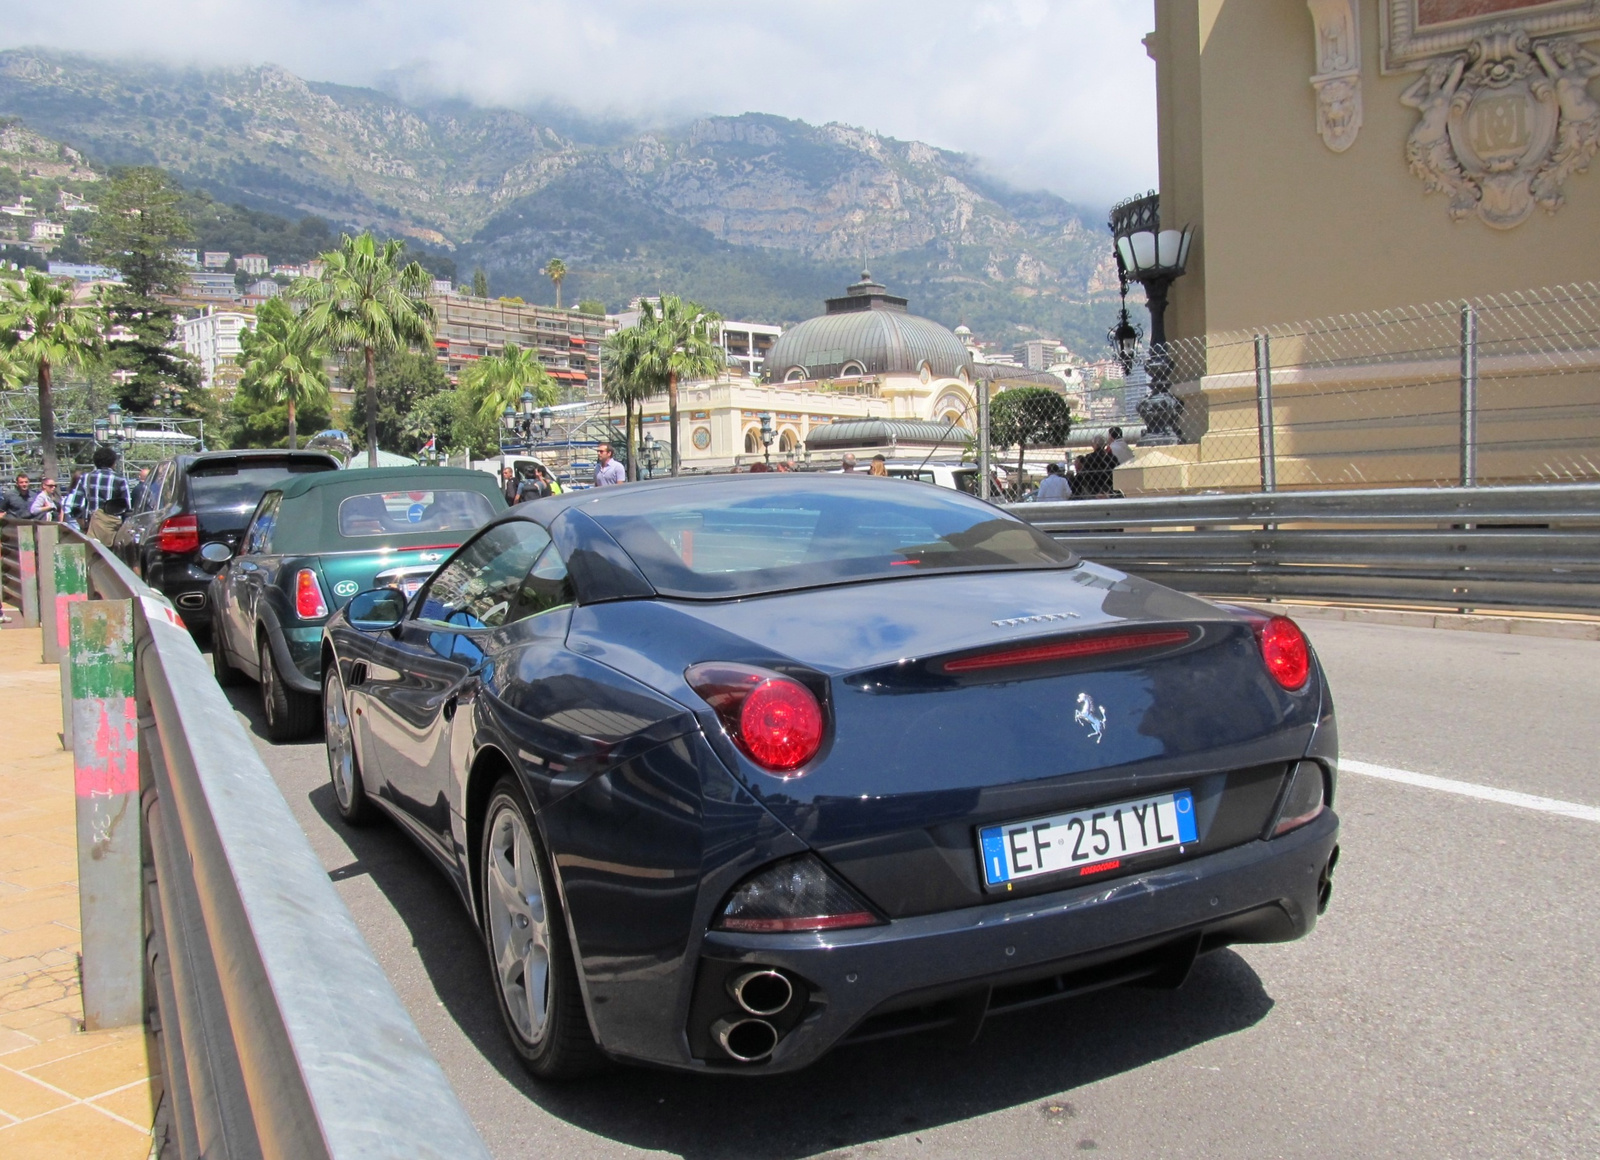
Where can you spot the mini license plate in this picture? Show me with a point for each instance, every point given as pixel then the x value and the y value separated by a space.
pixel 1089 841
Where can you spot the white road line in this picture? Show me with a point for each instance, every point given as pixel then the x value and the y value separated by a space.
pixel 1488 793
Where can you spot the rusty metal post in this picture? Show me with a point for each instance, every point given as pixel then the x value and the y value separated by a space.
pixel 105 759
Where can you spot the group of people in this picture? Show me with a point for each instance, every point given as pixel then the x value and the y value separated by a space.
pixel 95 502
pixel 1091 474
pixel 520 489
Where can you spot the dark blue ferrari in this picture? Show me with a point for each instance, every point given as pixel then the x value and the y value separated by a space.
pixel 732 770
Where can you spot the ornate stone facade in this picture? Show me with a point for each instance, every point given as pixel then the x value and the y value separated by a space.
pixel 1503 125
pixel 1338 77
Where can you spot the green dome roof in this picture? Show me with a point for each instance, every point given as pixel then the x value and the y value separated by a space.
pixel 869 328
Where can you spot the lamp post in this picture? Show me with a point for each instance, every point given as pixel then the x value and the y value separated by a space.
pixel 767 435
pixel 116 430
pixel 1155 258
pixel 650 455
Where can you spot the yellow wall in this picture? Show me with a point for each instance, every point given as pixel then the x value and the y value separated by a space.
pixel 1290 230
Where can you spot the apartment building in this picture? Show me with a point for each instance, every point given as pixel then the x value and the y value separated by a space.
pixel 746 344
pixel 568 343
pixel 213 339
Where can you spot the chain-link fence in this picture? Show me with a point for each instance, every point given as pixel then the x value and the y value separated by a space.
pixel 1503 389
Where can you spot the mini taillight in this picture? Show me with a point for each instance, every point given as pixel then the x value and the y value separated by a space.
pixel 795 895
pixel 179 534
pixel 1284 649
pixel 1062 650
pixel 308 601
pixel 775 719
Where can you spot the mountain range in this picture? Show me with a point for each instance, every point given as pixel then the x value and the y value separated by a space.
pixel 757 216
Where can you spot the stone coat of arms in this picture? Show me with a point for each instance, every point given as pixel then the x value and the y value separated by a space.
pixel 1502 126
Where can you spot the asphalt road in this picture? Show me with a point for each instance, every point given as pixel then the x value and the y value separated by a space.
pixel 1446 1005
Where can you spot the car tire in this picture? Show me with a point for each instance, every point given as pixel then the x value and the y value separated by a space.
pixel 344 764
pixel 227 676
pixel 290 715
pixel 530 953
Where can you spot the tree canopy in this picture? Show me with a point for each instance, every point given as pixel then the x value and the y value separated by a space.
pixel 1026 417
pixel 284 362
pixel 41 329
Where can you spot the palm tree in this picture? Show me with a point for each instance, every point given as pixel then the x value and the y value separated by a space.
pixel 284 359
pixel 365 300
pixel 500 380
pixel 623 358
pixel 555 270
pixel 43 328
pixel 680 341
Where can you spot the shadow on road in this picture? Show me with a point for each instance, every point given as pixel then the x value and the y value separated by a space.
pixel 854 1095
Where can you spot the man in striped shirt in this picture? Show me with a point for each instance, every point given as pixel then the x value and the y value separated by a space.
pixel 102 497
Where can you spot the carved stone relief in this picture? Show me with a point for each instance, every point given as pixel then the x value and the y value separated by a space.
pixel 1338 77
pixel 1501 126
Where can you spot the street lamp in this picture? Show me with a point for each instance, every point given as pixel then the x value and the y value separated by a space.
pixel 766 435
pixel 1155 258
pixel 115 429
pixel 651 455
pixel 545 416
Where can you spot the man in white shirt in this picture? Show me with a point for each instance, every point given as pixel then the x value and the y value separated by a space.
pixel 608 472
pixel 1055 486
pixel 1119 446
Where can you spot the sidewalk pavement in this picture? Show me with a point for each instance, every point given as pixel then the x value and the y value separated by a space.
pixel 63 1091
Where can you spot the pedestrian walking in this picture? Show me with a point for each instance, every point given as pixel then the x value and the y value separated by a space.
pixel 1055 486
pixel 137 493
pixel 16 501
pixel 1118 446
pixel 72 502
pixel 878 466
pixel 607 472
pixel 46 504
pixel 508 485
pixel 104 498
pixel 849 462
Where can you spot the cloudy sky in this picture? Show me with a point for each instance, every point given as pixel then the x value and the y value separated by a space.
pixel 1054 94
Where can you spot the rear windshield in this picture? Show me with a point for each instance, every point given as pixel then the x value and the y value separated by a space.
pixel 717 540
pixel 387 513
pixel 225 484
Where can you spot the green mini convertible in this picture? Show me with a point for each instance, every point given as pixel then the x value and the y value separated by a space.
pixel 314 542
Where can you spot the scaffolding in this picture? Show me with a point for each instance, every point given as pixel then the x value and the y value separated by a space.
pixel 144 441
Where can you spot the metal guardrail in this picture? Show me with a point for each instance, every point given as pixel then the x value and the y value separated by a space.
pixel 1526 547
pixel 281 1037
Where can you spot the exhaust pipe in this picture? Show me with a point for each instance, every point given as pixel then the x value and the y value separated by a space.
pixel 763 992
pixel 747 1040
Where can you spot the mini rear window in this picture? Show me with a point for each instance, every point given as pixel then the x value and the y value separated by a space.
pixel 720 540
pixel 224 483
pixel 388 513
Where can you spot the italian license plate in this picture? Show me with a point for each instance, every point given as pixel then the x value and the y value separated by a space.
pixel 1089 841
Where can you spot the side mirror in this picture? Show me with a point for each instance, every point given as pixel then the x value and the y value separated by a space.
pixel 215 554
pixel 376 610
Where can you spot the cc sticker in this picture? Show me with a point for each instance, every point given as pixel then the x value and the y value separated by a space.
pixel 345 588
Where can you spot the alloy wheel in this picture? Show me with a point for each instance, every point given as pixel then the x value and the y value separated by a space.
pixel 519 929
pixel 341 744
pixel 268 677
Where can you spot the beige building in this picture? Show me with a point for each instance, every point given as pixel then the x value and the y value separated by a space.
pixel 567 343
pixel 1351 157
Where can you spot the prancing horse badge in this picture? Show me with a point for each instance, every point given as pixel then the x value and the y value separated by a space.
pixel 1092 715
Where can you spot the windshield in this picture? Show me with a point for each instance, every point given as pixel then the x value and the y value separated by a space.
pixel 721 540
pixel 387 513
pixel 224 484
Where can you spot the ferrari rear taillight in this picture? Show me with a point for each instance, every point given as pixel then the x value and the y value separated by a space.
pixel 774 719
pixel 178 535
pixel 308 601
pixel 1285 651
pixel 1305 800
pixel 1062 650
pixel 794 895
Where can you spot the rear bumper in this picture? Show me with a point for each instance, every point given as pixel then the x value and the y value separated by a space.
pixel 1258 892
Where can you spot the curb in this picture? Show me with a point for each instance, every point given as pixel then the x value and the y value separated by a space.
pixel 1511 625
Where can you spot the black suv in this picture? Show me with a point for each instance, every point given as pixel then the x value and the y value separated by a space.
pixel 194 499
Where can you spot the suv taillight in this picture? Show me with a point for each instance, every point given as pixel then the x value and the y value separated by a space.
pixel 179 534
pixel 308 601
